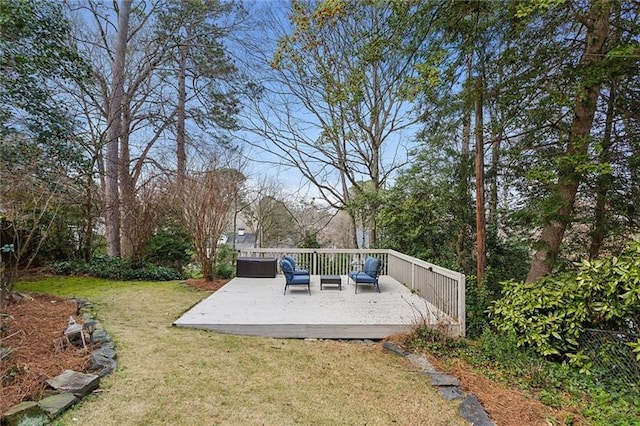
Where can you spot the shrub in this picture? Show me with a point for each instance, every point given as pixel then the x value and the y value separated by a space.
pixel 551 314
pixel 169 246
pixel 225 263
pixel 225 271
pixel 117 269
pixel 193 270
pixel 478 300
pixel 435 341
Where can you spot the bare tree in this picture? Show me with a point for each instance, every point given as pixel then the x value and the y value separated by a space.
pixel 336 103
pixel 114 130
pixel 207 202
pixel 123 107
pixel 265 213
pixel 33 191
pixel 151 202
pixel 145 56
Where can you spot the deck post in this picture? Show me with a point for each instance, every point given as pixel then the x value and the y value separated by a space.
pixel 413 276
pixel 461 305
pixel 314 263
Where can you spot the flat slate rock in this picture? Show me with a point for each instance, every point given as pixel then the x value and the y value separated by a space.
pixel 79 384
pixel 393 347
pixel 472 411
pixel 100 336
pixel 440 379
pixel 55 405
pixel 25 413
pixel 449 393
pixel 105 352
pixel 102 366
pixel 422 363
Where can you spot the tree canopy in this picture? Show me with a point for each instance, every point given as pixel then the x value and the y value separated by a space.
pixel 497 139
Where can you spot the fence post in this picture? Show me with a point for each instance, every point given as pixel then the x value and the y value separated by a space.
pixel 413 276
pixel 462 318
pixel 314 263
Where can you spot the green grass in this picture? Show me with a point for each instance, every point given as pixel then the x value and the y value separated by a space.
pixel 179 376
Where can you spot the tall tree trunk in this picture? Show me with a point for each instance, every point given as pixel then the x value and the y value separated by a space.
pixel 463 178
pixel 354 234
pixel 181 152
pixel 87 237
pixel 375 209
pixel 492 220
pixel 127 192
pixel 569 178
pixel 112 199
pixel 481 252
pixel 603 183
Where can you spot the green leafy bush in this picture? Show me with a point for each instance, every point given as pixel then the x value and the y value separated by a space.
pixel 117 269
pixel 225 263
pixel 551 314
pixel 169 246
pixel 478 300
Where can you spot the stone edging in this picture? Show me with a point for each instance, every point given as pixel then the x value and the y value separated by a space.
pixel 71 386
pixel 448 386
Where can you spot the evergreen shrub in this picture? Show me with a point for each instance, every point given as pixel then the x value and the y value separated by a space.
pixel 117 269
pixel 225 262
pixel 551 314
pixel 170 246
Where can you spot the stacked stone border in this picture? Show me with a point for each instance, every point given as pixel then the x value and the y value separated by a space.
pixel 69 387
pixel 448 386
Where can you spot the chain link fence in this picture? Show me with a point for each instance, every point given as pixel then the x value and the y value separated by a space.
pixel 613 360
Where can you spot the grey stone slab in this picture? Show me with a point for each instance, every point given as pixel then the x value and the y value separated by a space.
pixel 100 336
pixel 105 352
pixel 421 362
pixel 472 411
pixel 86 316
pixel 395 348
pixel 441 379
pixel 450 393
pixel 108 344
pixel 79 384
pixel 55 405
pixel 27 412
pixel 102 366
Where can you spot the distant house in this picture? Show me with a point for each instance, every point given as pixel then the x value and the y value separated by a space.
pixel 243 240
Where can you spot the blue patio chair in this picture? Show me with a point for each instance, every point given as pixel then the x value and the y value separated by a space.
pixel 296 271
pixel 293 279
pixel 369 274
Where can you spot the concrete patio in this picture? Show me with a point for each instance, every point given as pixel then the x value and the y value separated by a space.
pixel 257 306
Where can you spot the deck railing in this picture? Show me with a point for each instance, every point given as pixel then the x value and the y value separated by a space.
pixel 441 287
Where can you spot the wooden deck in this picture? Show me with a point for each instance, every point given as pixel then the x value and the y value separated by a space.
pixel 257 306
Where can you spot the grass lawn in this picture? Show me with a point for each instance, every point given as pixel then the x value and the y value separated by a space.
pixel 178 376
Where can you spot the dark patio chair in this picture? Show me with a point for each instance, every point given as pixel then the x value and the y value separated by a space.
pixel 369 274
pixel 292 279
pixel 296 271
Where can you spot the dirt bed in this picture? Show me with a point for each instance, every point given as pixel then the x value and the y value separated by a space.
pixel 34 328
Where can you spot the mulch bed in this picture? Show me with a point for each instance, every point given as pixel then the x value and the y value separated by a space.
pixel 506 406
pixel 34 330
pixel 201 284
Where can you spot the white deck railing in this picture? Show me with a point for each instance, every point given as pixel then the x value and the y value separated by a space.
pixel 443 288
